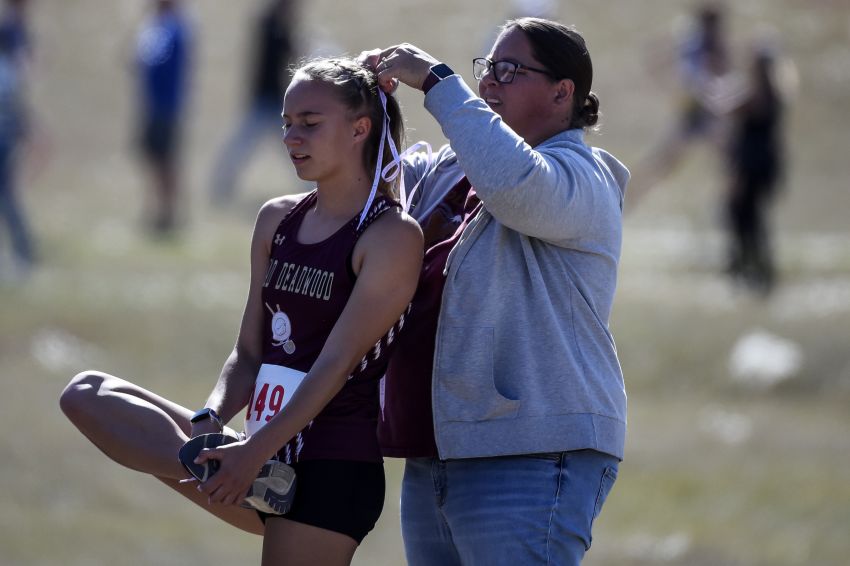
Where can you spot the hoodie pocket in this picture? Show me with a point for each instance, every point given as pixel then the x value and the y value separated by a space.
pixel 465 390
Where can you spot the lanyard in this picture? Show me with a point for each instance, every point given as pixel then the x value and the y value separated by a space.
pixel 394 168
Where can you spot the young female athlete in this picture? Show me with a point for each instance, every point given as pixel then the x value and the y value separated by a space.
pixel 330 281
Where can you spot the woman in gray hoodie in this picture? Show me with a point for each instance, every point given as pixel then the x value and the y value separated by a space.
pixel 505 392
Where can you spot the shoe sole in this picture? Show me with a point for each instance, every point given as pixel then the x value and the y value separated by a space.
pixel 274 489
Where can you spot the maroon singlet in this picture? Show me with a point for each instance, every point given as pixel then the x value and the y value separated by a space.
pixel 311 284
pixel 406 428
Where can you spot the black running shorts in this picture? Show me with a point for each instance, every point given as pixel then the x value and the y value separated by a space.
pixel 338 495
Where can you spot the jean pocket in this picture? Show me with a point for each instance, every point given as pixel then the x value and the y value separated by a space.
pixel 609 476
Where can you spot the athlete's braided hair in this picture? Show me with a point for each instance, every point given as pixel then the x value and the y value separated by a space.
pixel 358 90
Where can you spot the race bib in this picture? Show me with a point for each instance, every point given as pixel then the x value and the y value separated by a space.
pixel 272 391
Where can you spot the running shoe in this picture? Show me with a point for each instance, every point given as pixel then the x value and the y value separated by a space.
pixel 272 491
pixel 190 450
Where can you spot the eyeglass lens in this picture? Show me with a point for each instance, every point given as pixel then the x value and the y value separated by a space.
pixel 503 71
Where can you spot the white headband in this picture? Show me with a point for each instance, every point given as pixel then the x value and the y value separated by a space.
pixel 394 167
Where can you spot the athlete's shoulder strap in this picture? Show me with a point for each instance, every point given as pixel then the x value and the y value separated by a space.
pixel 297 210
pixel 379 206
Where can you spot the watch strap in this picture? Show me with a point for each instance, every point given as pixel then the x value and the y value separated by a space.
pixel 207 413
pixel 437 73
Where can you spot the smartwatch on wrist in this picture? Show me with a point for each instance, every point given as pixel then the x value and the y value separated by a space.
pixel 207 413
pixel 438 72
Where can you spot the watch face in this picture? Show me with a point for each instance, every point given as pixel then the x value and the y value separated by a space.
pixel 201 415
pixel 442 71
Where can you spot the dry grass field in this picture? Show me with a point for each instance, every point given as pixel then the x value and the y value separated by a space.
pixel 739 439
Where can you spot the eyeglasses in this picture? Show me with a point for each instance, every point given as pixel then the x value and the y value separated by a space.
pixel 503 71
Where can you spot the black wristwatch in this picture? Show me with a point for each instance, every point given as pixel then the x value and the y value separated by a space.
pixel 438 72
pixel 207 413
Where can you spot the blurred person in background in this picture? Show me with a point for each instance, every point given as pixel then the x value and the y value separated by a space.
pixel 756 161
pixel 706 82
pixel 15 53
pixel 273 51
pixel 332 272
pixel 163 65
pixel 505 394
pixel 533 8
pixel 546 9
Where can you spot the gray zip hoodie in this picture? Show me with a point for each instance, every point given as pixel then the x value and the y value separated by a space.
pixel 524 360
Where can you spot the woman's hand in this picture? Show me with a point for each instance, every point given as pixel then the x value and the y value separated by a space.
pixel 405 62
pixel 239 464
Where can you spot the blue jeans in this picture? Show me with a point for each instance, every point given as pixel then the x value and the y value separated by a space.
pixel 10 210
pixel 516 510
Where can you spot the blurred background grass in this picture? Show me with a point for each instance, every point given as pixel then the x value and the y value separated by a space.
pixel 721 468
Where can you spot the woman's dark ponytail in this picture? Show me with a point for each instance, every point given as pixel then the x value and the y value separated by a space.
pixel 586 115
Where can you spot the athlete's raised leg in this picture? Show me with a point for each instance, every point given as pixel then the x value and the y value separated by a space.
pixel 142 431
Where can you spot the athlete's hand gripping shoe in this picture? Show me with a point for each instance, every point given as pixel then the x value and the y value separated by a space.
pixel 272 492
pixel 190 450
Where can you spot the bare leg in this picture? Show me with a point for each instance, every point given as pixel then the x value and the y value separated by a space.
pixel 142 431
pixel 297 544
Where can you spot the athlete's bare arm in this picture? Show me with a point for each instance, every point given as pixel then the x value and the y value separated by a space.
pixel 234 385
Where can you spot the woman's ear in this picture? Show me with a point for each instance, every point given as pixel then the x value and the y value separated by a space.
pixel 362 127
pixel 564 90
